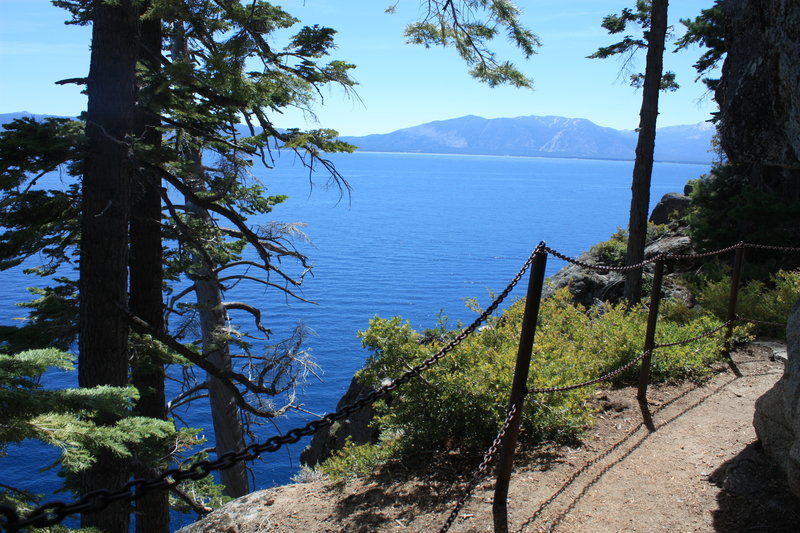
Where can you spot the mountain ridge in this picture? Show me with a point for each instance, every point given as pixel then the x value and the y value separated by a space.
pixel 539 136
pixel 527 136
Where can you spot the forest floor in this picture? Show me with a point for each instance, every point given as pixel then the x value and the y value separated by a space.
pixel 688 461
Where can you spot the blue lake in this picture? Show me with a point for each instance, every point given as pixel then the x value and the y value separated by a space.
pixel 416 234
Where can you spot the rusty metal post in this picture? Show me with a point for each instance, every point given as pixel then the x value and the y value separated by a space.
pixel 650 334
pixel 519 390
pixel 736 278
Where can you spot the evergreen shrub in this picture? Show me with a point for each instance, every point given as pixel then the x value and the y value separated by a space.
pixel 460 403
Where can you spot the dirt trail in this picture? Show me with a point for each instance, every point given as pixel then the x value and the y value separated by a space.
pixel 693 465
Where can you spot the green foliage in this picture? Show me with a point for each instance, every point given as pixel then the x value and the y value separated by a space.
pixel 629 45
pixel 357 460
pixel 707 29
pixel 33 220
pixel 460 402
pixel 612 251
pixel 204 491
pixel 728 208
pixel 68 418
pixel 468 26
pixel 768 301
pixel 52 319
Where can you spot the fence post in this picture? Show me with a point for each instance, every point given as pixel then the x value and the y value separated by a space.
pixel 650 334
pixel 519 389
pixel 736 278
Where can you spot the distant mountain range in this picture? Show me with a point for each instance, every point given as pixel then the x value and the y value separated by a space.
pixel 528 136
pixel 541 137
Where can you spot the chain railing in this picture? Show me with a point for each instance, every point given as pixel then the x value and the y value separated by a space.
pixel 501 490
pixel 605 377
pixel 476 477
pixel 55 512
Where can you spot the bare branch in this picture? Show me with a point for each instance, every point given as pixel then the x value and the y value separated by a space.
pixel 267 283
pixel 250 309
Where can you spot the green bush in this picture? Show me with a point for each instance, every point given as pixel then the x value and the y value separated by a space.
pixel 357 460
pixel 729 206
pixel 460 402
pixel 612 251
pixel 768 301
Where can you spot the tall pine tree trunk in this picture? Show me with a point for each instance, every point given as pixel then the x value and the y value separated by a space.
pixel 643 167
pixel 225 415
pixel 103 340
pixel 146 263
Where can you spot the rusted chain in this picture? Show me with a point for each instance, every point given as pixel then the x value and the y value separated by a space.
pixel 761 322
pixel 703 255
pixel 604 377
pixel 627 268
pixel 599 268
pixel 696 337
pixel 53 513
pixel 487 459
pixel 773 248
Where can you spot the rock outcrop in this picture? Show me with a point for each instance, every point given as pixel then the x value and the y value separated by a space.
pixel 757 96
pixel 587 287
pixel 777 416
pixel 356 427
pixel 671 206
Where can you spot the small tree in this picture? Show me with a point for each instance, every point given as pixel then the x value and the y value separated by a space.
pixel 651 15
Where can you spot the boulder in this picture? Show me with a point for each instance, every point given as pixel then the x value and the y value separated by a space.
pixel 585 286
pixel 777 415
pixel 356 426
pixel 672 205
pixel 757 96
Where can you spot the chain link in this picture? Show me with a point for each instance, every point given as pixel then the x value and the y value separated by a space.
pixel 773 248
pixel 487 459
pixel 599 268
pixel 604 377
pixel 55 512
pixel 627 268
pixel 703 335
pixel 762 322
pixel 706 254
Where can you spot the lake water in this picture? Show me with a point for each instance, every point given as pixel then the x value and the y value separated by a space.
pixel 417 234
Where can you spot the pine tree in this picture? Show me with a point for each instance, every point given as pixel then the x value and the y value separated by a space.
pixel 651 15
pixel 149 110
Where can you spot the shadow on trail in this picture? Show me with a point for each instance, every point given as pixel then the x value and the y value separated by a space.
pixel 754 496
pixel 630 443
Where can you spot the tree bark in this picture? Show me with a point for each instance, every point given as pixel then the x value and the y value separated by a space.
pixel 643 166
pixel 146 264
pixel 225 415
pixel 103 338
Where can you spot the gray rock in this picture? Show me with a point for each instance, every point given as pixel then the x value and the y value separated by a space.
pixel 585 286
pixel 670 245
pixel 671 206
pixel 759 109
pixel 356 426
pixel 779 351
pixel 777 416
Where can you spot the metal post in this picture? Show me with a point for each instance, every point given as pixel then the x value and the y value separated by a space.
pixel 650 334
pixel 736 278
pixel 519 389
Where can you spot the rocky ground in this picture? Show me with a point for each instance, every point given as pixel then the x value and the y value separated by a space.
pixel 689 461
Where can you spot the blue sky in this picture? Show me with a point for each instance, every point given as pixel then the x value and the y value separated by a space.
pixel 399 85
